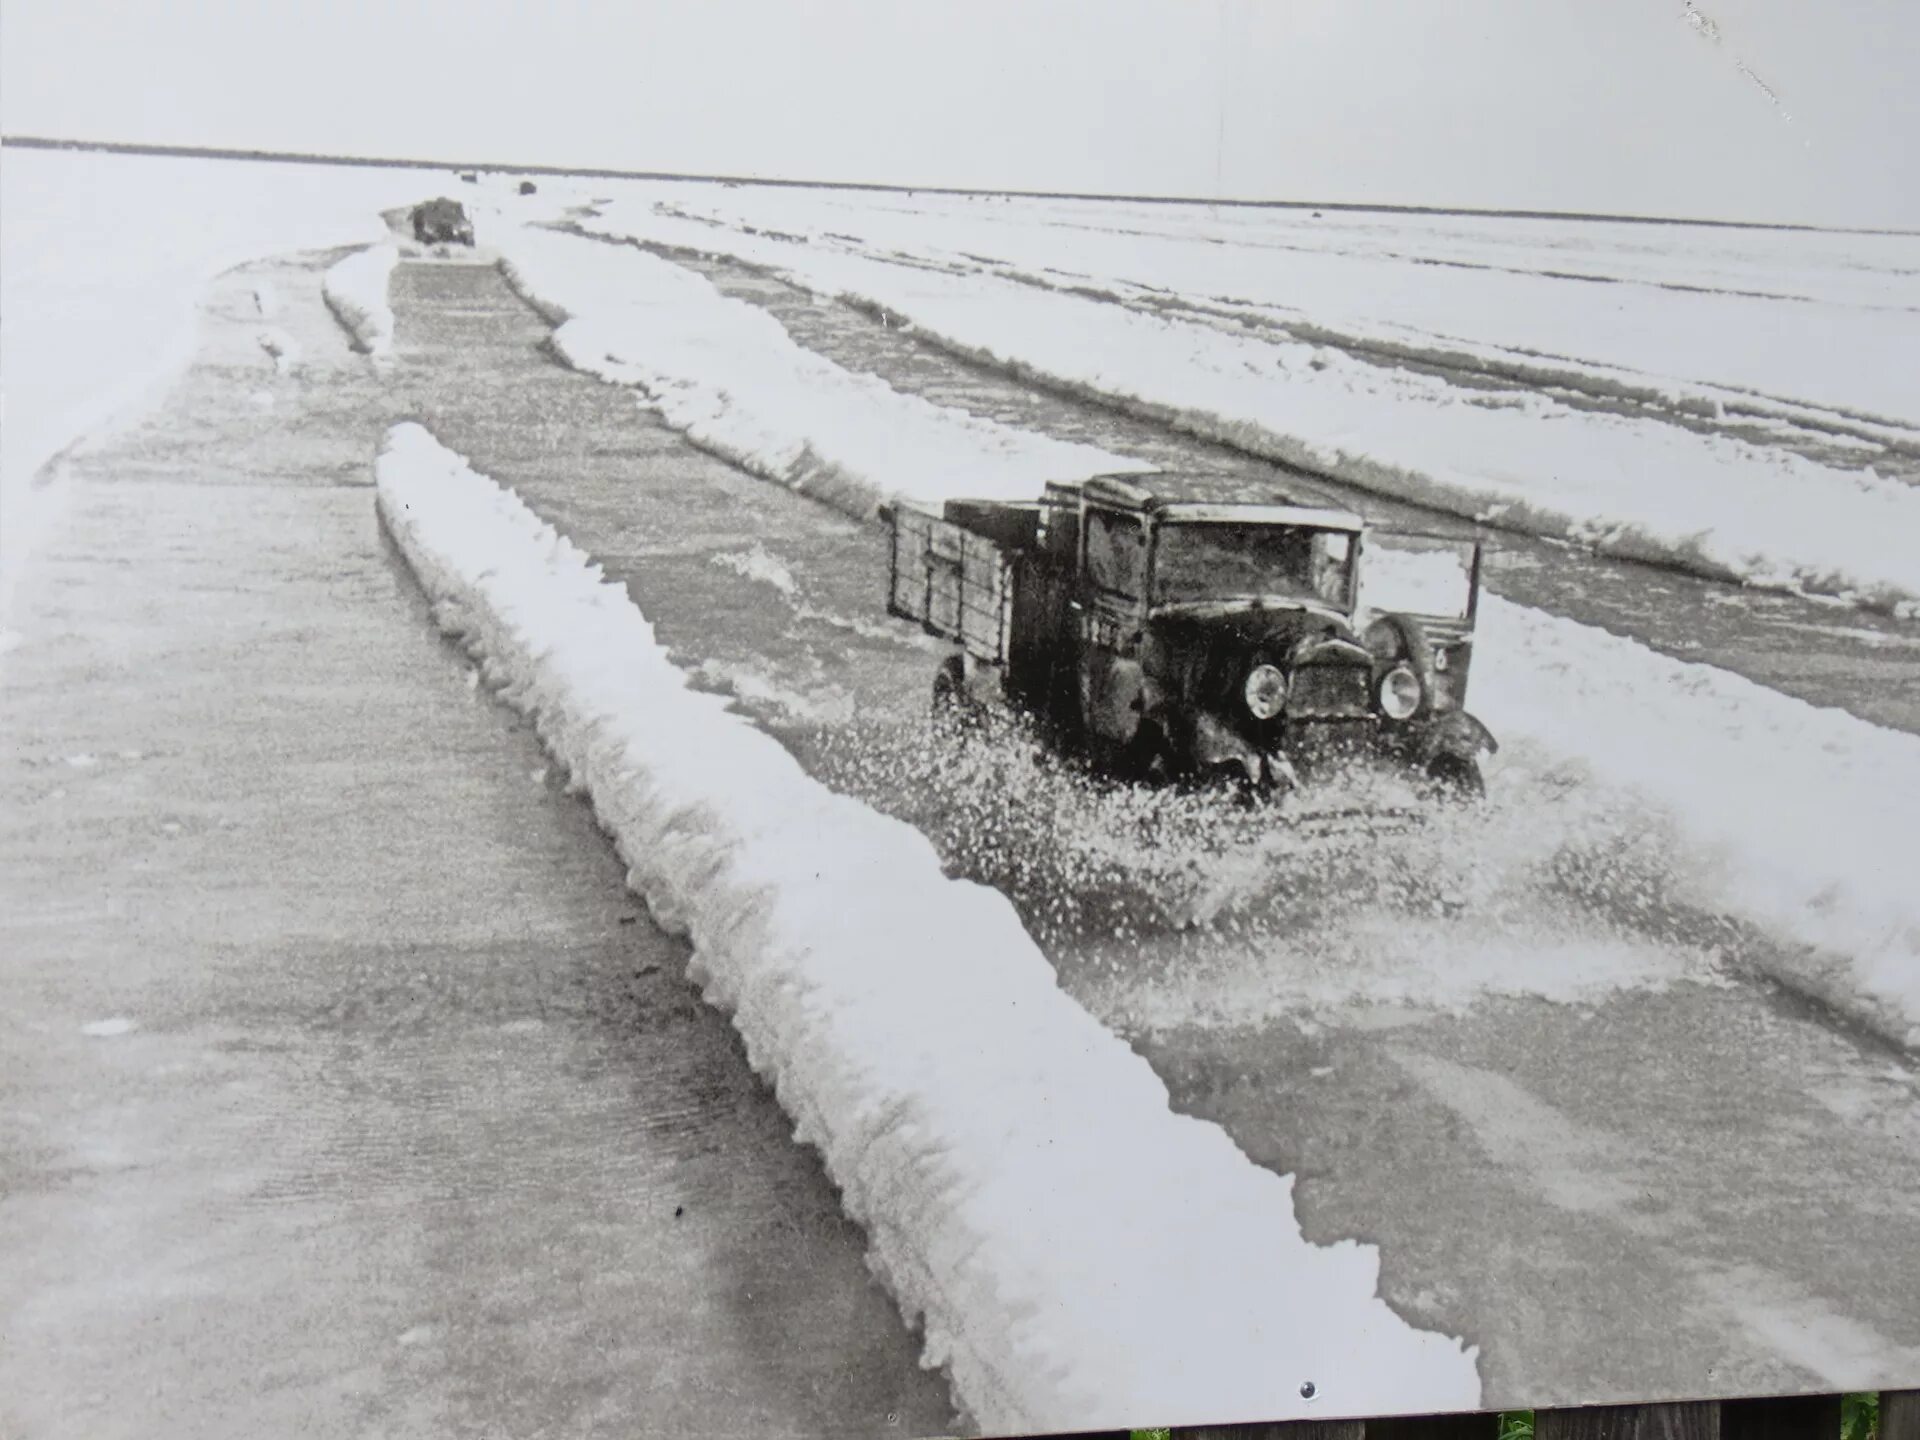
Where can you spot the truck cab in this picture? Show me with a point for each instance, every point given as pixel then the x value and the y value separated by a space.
pixel 1170 632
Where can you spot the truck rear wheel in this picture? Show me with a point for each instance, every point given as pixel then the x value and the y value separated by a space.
pixel 953 707
pixel 1142 760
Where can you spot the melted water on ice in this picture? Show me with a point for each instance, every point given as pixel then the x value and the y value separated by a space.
pixel 1163 907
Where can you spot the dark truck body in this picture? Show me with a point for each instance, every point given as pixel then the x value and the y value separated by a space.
pixel 1194 637
pixel 442 222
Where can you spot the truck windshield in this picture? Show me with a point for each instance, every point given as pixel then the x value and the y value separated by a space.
pixel 1211 561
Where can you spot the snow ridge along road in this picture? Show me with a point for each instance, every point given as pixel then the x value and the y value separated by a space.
pixel 356 291
pixel 1002 1149
pixel 1705 765
pixel 731 378
pixel 1621 484
pixel 1795 819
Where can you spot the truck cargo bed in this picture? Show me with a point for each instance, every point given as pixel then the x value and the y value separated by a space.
pixel 955 582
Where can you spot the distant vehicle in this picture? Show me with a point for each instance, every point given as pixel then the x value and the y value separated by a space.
pixel 1170 631
pixel 470 176
pixel 442 222
pixel 527 187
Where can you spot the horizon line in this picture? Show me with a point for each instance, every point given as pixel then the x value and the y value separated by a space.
pixel 204 152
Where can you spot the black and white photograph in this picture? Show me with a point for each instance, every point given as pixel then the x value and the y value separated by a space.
pixel 885 721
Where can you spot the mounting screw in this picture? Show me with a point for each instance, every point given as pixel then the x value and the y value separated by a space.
pixel 1306 1390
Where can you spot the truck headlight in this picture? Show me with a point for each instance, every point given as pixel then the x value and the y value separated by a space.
pixel 1266 691
pixel 1399 693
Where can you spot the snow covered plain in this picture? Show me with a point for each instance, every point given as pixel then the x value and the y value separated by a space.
pixel 1723 763
pixel 1752 756
pixel 1610 477
pixel 1002 1186
pixel 105 258
pixel 1804 320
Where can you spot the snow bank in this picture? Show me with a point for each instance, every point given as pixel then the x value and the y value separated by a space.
pixel 1077 1254
pixel 728 375
pixel 1622 485
pixel 1798 820
pixel 356 291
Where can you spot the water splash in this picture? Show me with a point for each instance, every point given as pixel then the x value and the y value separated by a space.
pixel 1164 907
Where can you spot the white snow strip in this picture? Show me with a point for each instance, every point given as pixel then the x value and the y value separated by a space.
pixel 1076 1253
pixel 1623 485
pixel 356 291
pixel 728 375
pixel 1787 816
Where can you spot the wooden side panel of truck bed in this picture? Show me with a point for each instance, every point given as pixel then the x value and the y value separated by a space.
pixel 954 583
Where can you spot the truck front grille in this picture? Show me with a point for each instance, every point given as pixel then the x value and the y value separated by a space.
pixel 1330 692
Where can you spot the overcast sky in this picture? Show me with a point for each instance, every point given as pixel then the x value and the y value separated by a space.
pixel 1748 109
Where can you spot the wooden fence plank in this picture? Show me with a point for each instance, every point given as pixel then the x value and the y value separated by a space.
pixel 1793 1417
pixel 1485 1426
pixel 1278 1430
pixel 1900 1415
pixel 1695 1420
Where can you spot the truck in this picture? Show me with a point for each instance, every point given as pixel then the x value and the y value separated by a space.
pixel 1168 629
pixel 442 222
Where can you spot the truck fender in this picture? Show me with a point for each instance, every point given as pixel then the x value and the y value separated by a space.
pixel 1457 734
pixel 1417 651
pixel 1217 745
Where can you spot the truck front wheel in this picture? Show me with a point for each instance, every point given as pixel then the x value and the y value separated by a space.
pixel 1457 777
